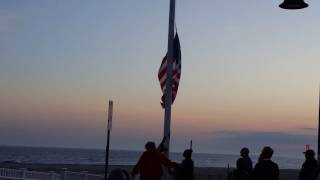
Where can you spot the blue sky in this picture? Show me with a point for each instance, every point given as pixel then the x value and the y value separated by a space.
pixel 249 69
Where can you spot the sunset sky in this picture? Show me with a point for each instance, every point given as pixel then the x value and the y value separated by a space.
pixel 250 74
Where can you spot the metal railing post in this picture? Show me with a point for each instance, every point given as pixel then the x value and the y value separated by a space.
pixel 23 173
pixel 85 175
pixel 64 174
pixel 52 173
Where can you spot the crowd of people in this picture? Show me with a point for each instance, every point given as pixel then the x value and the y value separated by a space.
pixel 266 169
pixel 152 161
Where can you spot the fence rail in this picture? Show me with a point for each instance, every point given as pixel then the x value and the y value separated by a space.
pixel 35 175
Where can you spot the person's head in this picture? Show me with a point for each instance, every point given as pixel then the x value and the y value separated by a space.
pixel 150 146
pixel 187 153
pixel 244 152
pixel 266 153
pixel 309 154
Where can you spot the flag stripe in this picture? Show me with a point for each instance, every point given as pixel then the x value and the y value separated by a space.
pixel 176 71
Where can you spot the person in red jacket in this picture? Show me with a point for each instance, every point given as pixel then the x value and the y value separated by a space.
pixel 150 163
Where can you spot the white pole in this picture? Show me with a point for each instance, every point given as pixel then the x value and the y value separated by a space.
pixel 168 95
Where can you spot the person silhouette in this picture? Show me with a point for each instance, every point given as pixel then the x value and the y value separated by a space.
pixel 309 167
pixel 244 166
pixel 150 163
pixel 266 169
pixel 184 171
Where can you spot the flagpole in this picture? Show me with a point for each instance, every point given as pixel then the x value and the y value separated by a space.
pixel 168 90
pixel 110 109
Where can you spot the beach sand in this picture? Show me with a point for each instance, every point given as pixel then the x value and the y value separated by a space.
pixel 201 173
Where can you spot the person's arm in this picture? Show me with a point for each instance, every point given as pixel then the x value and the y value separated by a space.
pixel 166 162
pixel 161 148
pixel 135 169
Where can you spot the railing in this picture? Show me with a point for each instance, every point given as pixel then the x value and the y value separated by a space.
pixel 210 177
pixel 11 173
pixel 94 177
pixel 41 175
pixel 34 175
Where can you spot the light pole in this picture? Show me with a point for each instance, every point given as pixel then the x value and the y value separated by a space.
pixel 293 5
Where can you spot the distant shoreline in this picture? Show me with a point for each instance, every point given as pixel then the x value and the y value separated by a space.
pixel 133 150
pixel 102 149
pixel 46 156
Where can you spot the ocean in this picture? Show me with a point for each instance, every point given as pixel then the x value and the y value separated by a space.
pixel 121 157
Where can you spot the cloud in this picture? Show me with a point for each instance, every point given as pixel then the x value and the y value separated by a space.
pixel 307 129
pixel 284 142
pixel 264 137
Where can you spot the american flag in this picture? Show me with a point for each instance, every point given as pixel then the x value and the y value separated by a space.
pixel 176 71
